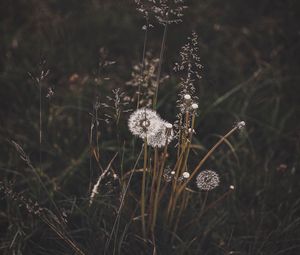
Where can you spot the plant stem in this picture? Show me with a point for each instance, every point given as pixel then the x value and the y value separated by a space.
pixel 162 49
pixel 156 200
pixel 144 188
pixel 222 139
pixel 143 63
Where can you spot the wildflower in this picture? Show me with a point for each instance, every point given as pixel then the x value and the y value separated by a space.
pixel 164 135
pixel 144 123
pixel 207 180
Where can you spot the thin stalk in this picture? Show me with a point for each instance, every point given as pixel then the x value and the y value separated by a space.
pixel 183 205
pixel 190 140
pixel 213 204
pixel 158 187
pixel 40 121
pixel 208 154
pixel 143 198
pixel 162 49
pixel 182 164
pixel 154 181
pixel 122 201
pixel 143 62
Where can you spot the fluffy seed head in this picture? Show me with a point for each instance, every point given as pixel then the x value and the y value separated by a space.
pixel 144 122
pixel 162 136
pixel 207 180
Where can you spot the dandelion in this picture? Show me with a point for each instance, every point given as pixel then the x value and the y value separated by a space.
pixel 144 123
pixel 163 136
pixel 207 180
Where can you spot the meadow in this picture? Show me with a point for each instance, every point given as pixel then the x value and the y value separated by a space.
pixel 149 127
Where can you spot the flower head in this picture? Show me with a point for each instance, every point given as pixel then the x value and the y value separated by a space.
pixel 207 180
pixel 164 135
pixel 144 123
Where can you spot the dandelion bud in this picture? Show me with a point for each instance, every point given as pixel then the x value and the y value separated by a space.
pixel 186 175
pixel 195 106
pixel 187 97
pixel 241 124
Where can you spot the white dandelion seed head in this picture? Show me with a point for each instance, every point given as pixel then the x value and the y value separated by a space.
pixel 241 124
pixel 194 106
pixel 187 97
pixel 207 180
pixel 144 122
pixel 162 136
pixel 186 175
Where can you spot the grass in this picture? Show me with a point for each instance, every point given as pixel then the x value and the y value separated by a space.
pixel 250 73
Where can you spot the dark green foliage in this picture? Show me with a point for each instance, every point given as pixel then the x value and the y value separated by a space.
pixel 249 50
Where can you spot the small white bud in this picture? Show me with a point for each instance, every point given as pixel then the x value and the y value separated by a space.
pixel 168 125
pixel 186 175
pixel 195 106
pixel 190 130
pixel 231 187
pixel 173 173
pixel 241 124
pixel 187 97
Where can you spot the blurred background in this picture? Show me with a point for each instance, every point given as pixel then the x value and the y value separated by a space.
pixel 250 55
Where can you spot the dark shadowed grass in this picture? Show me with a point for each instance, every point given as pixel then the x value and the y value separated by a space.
pixel 248 52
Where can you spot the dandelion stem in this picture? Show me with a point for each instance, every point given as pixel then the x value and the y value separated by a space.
pixel 143 188
pixel 156 200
